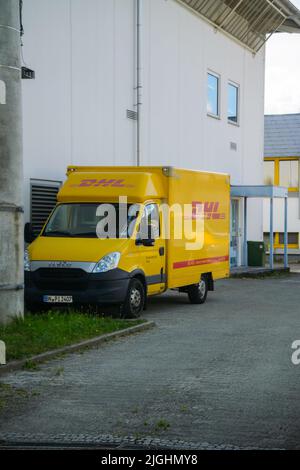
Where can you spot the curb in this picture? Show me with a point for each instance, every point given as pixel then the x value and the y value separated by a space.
pixel 86 442
pixel 260 273
pixel 89 343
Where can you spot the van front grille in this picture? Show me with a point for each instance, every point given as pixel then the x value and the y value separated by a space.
pixel 60 279
pixel 61 273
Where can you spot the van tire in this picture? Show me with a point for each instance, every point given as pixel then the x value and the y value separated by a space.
pixel 198 293
pixel 135 300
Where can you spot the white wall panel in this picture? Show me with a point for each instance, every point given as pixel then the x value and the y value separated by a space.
pixel 83 53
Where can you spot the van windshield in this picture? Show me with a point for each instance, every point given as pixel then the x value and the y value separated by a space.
pixel 97 220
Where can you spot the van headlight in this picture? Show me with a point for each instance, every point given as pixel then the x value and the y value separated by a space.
pixel 108 262
pixel 26 261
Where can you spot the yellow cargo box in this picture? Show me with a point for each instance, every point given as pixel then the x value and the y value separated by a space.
pixel 120 234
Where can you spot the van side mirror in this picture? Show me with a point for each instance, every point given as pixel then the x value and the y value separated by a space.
pixel 145 242
pixel 149 242
pixel 29 235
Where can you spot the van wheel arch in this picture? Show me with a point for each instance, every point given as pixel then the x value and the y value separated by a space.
pixel 140 275
pixel 210 281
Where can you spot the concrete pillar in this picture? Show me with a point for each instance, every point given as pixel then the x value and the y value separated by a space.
pixel 11 172
pixel 286 262
pixel 245 232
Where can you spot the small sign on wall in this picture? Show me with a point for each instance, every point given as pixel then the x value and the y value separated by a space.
pixel 27 73
pixel 2 92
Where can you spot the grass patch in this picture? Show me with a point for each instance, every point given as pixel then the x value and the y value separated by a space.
pixel 30 365
pixel 162 425
pixel 39 333
pixel 184 408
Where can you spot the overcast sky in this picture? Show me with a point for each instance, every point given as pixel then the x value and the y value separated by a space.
pixel 283 73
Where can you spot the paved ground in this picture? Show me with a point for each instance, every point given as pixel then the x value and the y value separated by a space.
pixel 219 374
pixel 295 268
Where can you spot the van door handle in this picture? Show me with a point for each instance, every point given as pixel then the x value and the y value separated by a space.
pixel 161 251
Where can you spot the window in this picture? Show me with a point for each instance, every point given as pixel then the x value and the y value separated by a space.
pixel 288 173
pixel 150 225
pixel 282 172
pixel 267 239
pixel 293 239
pixel 213 94
pixel 92 220
pixel 269 172
pixel 233 103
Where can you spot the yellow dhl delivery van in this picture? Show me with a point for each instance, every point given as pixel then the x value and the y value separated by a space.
pixel 121 234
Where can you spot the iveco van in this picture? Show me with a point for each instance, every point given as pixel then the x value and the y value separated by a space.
pixel 168 229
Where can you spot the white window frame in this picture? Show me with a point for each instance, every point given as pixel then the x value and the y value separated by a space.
pixel 237 86
pixel 218 77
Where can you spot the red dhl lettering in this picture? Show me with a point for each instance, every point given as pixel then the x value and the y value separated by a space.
pixel 104 183
pixel 209 210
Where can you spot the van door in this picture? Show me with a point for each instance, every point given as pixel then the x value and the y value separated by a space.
pixel 154 254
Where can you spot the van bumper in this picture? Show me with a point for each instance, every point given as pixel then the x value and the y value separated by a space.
pixel 85 288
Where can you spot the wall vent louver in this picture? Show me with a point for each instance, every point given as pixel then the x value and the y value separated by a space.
pixel 131 115
pixel 43 197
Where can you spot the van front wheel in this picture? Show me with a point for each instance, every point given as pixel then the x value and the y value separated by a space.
pixel 197 293
pixel 135 300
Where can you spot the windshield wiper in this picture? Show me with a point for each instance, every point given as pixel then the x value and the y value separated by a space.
pixel 58 233
pixel 85 235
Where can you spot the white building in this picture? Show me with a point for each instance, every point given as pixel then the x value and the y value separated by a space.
pixel 202 95
pixel 282 154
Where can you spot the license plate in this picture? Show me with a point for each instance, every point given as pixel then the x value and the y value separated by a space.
pixel 58 299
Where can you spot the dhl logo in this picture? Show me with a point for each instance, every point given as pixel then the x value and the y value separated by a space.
pixel 207 210
pixel 104 183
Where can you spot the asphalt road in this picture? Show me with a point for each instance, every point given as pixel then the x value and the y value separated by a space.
pixel 218 374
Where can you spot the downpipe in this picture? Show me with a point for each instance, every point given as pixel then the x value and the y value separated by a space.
pixel 139 80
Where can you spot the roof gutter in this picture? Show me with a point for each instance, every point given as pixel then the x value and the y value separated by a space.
pixel 292 24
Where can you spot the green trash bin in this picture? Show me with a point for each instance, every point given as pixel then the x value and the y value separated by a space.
pixel 256 254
